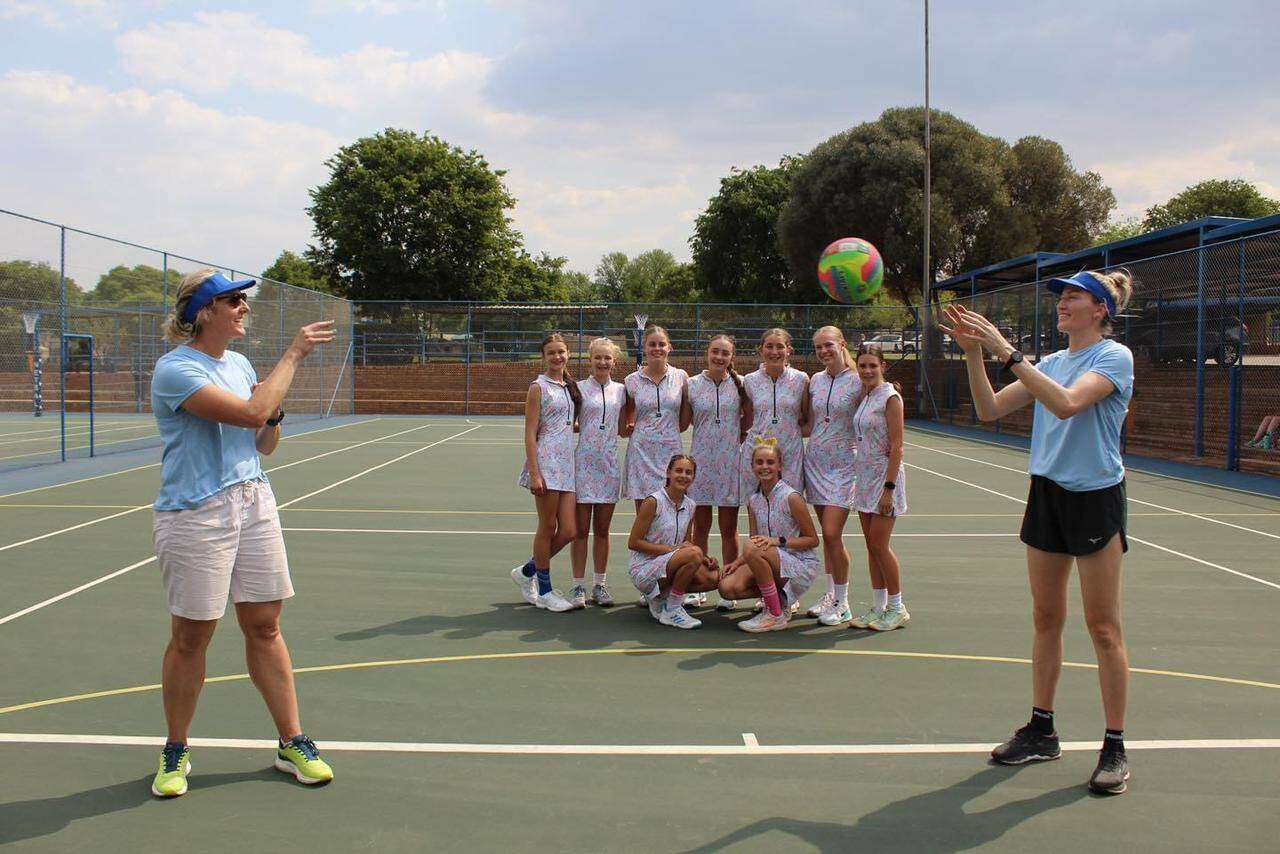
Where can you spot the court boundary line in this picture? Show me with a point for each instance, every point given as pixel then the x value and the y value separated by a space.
pixel 750 746
pixel 639 651
pixel 1130 537
pixel 712 534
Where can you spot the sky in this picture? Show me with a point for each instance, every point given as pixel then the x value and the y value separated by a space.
pixel 200 128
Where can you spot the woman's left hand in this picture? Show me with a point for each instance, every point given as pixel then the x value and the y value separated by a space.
pixel 972 325
pixel 762 543
pixel 885 506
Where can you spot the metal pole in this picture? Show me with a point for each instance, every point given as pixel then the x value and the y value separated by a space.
pixel 466 408
pixel 1200 354
pixel 62 344
pixel 924 315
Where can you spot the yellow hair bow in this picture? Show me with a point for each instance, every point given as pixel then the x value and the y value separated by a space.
pixel 760 442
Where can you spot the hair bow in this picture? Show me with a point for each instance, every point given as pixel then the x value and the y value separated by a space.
pixel 761 442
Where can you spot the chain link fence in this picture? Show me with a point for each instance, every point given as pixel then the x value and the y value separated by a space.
pixel 82 321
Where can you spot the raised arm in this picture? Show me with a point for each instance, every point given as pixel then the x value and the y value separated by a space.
pixel 987 403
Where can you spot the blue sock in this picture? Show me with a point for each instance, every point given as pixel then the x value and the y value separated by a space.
pixel 529 569
pixel 544 582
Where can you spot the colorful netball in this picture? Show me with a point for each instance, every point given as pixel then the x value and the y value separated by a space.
pixel 850 270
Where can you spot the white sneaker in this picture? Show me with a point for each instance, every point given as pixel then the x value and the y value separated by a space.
pixel 601 596
pixel 655 606
pixel 726 605
pixel 764 622
pixel 528 586
pixel 826 603
pixel 695 600
pixel 866 614
pixel 679 618
pixel 835 615
pixel 578 596
pixel 892 617
pixel 554 601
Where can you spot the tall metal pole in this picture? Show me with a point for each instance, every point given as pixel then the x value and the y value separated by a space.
pixel 925 314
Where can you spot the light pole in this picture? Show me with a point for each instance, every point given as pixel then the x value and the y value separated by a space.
pixel 925 314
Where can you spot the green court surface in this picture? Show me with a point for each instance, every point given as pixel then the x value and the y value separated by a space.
pixel 458 718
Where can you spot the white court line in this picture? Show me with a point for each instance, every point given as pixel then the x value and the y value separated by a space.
pixel 80 426
pixel 36 607
pixel 154 465
pixel 77 435
pixel 111 516
pixel 1132 500
pixel 1131 538
pixel 71 448
pixel 713 534
pixel 748 748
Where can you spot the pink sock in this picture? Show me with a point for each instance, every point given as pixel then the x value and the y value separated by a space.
pixel 769 593
pixel 674 597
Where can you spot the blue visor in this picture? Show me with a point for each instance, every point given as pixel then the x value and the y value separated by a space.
pixel 209 290
pixel 1086 282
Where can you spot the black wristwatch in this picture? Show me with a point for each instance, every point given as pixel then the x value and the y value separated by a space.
pixel 890 485
pixel 782 542
pixel 272 422
pixel 1015 358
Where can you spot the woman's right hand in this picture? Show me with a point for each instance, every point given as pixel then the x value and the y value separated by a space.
pixel 537 485
pixel 961 331
pixel 320 332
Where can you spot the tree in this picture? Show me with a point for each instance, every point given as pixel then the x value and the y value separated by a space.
pixel 293 269
pixel 579 288
pixel 405 216
pixel 1052 204
pixel 34 283
pixel 141 283
pixel 536 279
pixel 610 277
pixel 1121 229
pixel 736 254
pixel 1215 197
pixel 678 283
pixel 653 276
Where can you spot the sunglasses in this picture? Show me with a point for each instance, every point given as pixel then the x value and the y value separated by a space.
pixel 234 299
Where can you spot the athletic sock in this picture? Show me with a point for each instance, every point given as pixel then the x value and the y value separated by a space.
pixel 831 584
pixel 896 600
pixel 842 594
pixel 879 597
pixel 1113 741
pixel 769 593
pixel 1042 720
pixel 529 569
pixel 675 598
pixel 544 581
pixel 599 577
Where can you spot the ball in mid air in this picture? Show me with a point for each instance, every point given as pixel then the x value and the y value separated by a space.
pixel 850 270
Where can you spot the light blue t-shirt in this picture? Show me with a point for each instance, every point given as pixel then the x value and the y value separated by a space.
pixel 1083 452
pixel 200 457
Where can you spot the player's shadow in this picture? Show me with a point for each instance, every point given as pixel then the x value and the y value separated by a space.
pixel 32 819
pixel 932 821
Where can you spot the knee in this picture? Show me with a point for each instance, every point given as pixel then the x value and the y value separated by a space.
pixel 568 532
pixel 601 529
pixel 192 642
pixel 1106 633
pixel 1048 619
pixel 581 534
pixel 263 632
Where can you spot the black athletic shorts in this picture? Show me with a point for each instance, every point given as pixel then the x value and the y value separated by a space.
pixel 1074 523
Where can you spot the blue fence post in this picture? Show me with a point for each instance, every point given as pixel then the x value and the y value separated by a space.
pixel 1233 416
pixel 1200 354
pixel 91 400
pixel 62 332
pixel 320 361
pixel 466 406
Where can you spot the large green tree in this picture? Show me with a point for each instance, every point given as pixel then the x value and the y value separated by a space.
pixel 293 269
pixel 652 276
pixel 736 255
pixel 139 284
pixel 1215 197
pixel 408 216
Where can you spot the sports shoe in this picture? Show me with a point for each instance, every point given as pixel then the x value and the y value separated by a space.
pixel 642 601
pixel 1111 777
pixel 1028 745
pixel 301 759
pixel 528 586
pixel 726 605
pixel 826 603
pixel 655 606
pixel 171 776
pixel 862 619
pixel 601 596
pixel 764 622
pixel 578 596
pixel 835 615
pixel 892 617
pixel 695 600
pixel 678 618
pixel 553 600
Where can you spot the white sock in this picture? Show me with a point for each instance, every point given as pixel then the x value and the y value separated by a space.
pixel 831 584
pixel 879 598
pixel 842 594
pixel 896 600
pixel 599 577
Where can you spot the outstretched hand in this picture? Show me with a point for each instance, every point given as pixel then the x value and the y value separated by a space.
pixel 972 331
pixel 320 332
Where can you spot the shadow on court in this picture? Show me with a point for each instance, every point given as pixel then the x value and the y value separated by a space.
pixel 32 819
pixel 933 821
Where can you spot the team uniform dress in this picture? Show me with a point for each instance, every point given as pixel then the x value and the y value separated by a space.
pixel 670 528
pixel 872 466
pixel 657 435
pixel 776 413
pixel 829 456
pixel 597 477
pixel 555 436
pixel 716 418
pixel 773 519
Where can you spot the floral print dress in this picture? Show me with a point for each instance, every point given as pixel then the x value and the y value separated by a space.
pixel 717 412
pixel 598 477
pixel 657 435
pixel 871 433
pixel 555 436
pixel 776 408
pixel 829 455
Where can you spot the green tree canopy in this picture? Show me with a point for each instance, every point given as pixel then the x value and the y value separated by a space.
pixel 736 255
pixel 139 284
pixel 408 216
pixel 1215 197
pixel 653 276
pixel 33 284
pixel 293 269
pixel 1121 229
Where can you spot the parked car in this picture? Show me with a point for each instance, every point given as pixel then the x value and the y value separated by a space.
pixel 1167 334
pixel 892 342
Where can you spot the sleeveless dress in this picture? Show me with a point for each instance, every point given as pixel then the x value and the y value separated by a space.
pixel 828 457
pixel 670 528
pixel 597 474
pixel 773 519
pixel 657 435
pixel 716 419
pixel 555 436
pixel 872 466
pixel 776 413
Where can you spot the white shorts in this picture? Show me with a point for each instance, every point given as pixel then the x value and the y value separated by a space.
pixel 230 545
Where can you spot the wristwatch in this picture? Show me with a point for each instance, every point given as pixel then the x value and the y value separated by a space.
pixel 1015 358
pixel 890 485
pixel 782 542
pixel 272 422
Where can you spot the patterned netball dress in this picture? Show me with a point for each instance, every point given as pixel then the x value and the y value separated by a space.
pixel 776 413
pixel 773 519
pixel 872 466
pixel 555 436
pixel 828 457
pixel 670 527
pixel 598 477
pixel 716 419
pixel 657 435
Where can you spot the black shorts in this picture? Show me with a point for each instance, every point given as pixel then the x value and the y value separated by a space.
pixel 1075 523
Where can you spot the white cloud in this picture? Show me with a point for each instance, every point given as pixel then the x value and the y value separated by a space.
pixel 18 10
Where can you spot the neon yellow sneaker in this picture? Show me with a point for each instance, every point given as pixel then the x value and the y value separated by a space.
pixel 301 759
pixel 171 776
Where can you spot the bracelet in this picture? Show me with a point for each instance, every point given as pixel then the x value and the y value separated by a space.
pixel 888 484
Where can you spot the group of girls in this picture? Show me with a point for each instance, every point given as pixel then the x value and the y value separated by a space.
pixel 748 447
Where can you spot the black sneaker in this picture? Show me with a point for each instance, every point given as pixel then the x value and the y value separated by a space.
pixel 1028 745
pixel 1111 777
